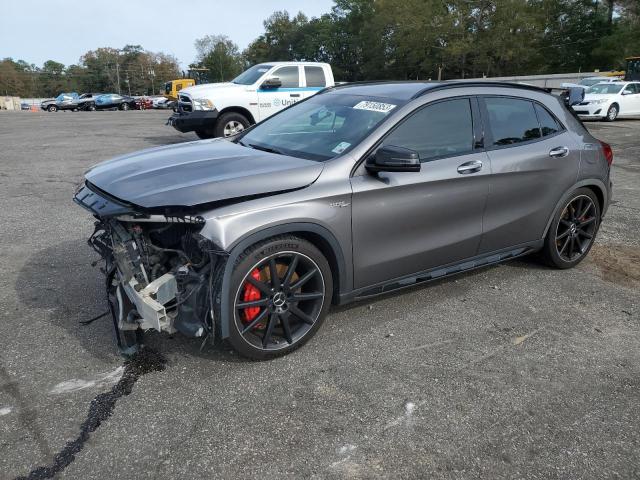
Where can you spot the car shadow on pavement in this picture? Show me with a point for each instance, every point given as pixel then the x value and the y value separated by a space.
pixel 60 284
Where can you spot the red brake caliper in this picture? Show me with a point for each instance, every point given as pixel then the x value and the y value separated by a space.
pixel 251 293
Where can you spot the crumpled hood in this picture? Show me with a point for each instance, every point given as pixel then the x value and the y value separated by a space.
pixel 200 172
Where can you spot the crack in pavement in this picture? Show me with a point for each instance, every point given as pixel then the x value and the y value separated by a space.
pixel 144 361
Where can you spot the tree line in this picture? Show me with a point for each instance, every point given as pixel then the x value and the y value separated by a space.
pixel 377 40
pixel 431 39
pixel 130 70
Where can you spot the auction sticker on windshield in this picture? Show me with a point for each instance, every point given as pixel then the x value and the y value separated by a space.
pixel 341 147
pixel 374 106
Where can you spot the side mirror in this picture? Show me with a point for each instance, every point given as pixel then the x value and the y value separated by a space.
pixel 393 159
pixel 273 82
pixel 627 92
pixel 575 95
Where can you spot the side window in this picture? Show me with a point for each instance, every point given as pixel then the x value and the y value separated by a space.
pixel 288 76
pixel 548 122
pixel 512 120
pixel 315 77
pixel 437 130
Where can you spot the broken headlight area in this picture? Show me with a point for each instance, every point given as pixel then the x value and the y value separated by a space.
pixel 160 276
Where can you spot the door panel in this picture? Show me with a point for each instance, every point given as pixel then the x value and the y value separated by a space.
pixel 272 100
pixel 527 180
pixel 631 102
pixel 404 223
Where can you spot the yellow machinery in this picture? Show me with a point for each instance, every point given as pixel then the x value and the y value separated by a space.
pixel 195 76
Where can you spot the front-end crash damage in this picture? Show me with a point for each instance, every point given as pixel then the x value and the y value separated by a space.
pixel 159 270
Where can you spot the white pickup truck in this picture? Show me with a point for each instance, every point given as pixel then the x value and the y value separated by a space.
pixel 224 109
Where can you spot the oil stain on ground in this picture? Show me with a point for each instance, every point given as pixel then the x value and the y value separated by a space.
pixel 144 361
pixel 619 264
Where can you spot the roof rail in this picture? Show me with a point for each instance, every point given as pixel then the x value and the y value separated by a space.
pixel 367 82
pixel 475 83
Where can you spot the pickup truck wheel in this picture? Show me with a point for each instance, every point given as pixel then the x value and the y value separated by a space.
pixel 280 291
pixel 230 123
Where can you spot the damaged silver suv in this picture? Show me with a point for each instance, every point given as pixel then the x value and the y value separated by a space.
pixel 357 191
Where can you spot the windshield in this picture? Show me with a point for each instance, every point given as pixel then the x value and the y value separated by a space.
pixel 601 88
pixel 251 76
pixel 322 127
pixel 590 81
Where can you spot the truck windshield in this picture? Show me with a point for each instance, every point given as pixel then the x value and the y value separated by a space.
pixel 602 88
pixel 251 76
pixel 322 127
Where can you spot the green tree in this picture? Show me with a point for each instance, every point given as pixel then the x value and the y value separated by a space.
pixel 220 56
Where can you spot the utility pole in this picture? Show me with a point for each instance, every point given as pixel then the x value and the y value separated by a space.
pixel 118 75
pixel 128 83
pixel 152 74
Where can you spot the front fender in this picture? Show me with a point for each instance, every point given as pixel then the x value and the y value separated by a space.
pixel 241 244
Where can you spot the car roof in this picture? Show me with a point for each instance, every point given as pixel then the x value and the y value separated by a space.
pixel 412 89
pixel 275 64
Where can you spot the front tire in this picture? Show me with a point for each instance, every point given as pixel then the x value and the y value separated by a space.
pixel 573 230
pixel 230 124
pixel 280 293
pixel 612 113
pixel 52 108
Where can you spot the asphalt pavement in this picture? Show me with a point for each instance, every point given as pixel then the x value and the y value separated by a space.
pixel 512 371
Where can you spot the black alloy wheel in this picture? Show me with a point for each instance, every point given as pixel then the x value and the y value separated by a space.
pixel 280 298
pixel 576 228
pixel 573 230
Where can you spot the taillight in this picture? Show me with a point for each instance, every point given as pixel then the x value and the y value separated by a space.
pixel 608 152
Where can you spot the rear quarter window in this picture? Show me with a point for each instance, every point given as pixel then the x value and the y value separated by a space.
pixel 315 77
pixel 548 123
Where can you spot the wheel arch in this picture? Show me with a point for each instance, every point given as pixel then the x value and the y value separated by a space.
pixel 236 109
pixel 318 235
pixel 596 186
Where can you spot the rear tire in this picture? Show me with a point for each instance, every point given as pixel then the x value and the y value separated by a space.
pixel 289 315
pixel 230 123
pixel 573 230
pixel 124 107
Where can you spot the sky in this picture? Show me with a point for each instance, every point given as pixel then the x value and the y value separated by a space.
pixel 63 30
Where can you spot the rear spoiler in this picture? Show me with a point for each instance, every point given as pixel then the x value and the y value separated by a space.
pixel 571 96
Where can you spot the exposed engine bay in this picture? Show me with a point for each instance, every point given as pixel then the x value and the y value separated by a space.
pixel 160 275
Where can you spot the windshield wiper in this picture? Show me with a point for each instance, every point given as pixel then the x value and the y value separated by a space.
pixel 265 149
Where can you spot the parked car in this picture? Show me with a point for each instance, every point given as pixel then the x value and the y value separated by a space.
pixel 608 101
pixel 224 109
pixel 86 101
pixel 357 191
pixel 64 101
pixel 590 81
pixel 161 102
pixel 108 101
pixel 25 106
pixel 144 103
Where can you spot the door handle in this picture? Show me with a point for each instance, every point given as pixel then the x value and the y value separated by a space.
pixel 559 152
pixel 294 95
pixel 470 167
